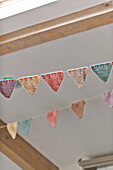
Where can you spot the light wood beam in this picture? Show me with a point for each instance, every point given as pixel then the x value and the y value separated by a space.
pixel 57 28
pixel 4 1
pixel 22 153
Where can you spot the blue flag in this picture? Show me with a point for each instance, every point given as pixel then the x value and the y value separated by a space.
pixel 24 125
pixel 102 70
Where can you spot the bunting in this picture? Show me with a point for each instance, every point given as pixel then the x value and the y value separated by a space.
pixel 7 87
pixel 53 79
pixel 52 117
pixel 24 126
pixel 18 85
pixel 108 98
pixel 102 70
pixel 12 129
pixel 79 75
pixel 30 83
pixel 78 108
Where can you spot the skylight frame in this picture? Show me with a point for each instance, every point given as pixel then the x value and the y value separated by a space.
pixel 13 7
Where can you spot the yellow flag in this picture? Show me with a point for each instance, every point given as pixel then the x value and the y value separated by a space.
pixel 12 129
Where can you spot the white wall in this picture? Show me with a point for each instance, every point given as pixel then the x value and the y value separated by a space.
pixel 75 167
pixel 44 13
pixel 72 167
pixel 7 164
pixel 106 168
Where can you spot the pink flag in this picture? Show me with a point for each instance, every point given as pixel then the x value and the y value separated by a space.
pixel 52 117
pixel 53 79
pixel 78 75
pixel 78 108
pixel 108 98
pixel 7 87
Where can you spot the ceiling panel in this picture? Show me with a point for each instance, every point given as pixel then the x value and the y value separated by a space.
pixel 7 164
pixel 48 12
pixel 72 138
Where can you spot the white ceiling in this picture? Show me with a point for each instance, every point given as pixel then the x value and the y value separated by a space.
pixel 72 138
pixel 14 7
pixel 7 164
pixel 48 12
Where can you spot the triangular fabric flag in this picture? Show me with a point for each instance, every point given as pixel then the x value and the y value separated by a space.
pixel 30 83
pixel 78 108
pixel 12 129
pixel 78 75
pixel 7 87
pixel 102 70
pixel 24 125
pixel 108 98
pixel 52 117
pixel 53 79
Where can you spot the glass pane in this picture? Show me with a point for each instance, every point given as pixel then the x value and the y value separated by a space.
pixel 106 168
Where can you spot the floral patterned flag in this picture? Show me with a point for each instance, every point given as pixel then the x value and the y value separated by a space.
pixel 78 75
pixel 52 117
pixel 78 108
pixel 30 83
pixel 53 79
pixel 24 125
pixel 12 129
pixel 108 98
pixel 7 87
pixel 102 70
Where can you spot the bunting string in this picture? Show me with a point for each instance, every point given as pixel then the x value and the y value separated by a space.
pixel 66 71
pixel 3 126
pixel 66 107
pixel 59 109
pixel 54 79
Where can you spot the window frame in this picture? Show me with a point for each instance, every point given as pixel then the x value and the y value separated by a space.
pixel 13 7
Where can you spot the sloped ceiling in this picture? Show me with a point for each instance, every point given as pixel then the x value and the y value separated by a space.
pixel 72 138
pixel 6 163
pixel 48 12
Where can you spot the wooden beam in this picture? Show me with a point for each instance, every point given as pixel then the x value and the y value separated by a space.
pixel 4 1
pixel 57 28
pixel 22 153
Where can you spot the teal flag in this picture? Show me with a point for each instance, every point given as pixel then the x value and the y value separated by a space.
pixel 102 70
pixel 24 125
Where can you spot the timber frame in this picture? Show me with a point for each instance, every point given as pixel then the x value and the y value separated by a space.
pixel 22 153
pixel 57 28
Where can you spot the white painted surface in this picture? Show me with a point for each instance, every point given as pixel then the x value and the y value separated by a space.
pixel 106 168
pixel 19 6
pixel 72 139
pixel 48 12
pixel 76 167
pixel 71 167
pixel 7 164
